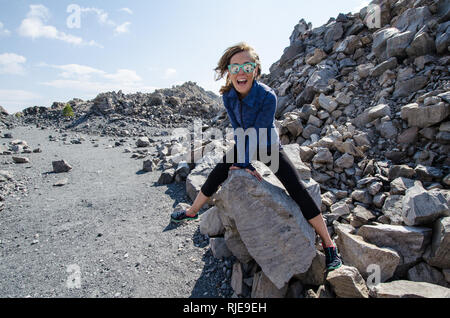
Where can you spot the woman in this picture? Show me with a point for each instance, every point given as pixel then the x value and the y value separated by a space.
pixel 251 104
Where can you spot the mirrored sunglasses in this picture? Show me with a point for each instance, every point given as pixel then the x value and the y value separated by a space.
pixel 247 67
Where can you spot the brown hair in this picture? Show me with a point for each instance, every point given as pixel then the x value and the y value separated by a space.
pixel 222 66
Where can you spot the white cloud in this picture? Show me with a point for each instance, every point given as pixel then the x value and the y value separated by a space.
pixel 91 80
pixel 103 19
pixel 75 70
pixel 123 28
pixel 127 10
pixel 11 63
pixel 102 15
pixel 170 72
pixel 3 31
pixel 14 100
pixel 34 26
pixel 124 76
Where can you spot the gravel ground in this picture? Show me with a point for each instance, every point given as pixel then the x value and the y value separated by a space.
pixel 105 233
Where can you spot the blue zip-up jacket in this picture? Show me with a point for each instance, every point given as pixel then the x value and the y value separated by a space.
pixel 256 110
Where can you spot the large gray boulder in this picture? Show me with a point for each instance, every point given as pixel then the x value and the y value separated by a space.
pixel 346 282
pixel 440 245
pixel 412 19
pixel 360 254
pixel 270 225
pixel 408 289
pixel 423 207
pixel 410 242
pixel 424 116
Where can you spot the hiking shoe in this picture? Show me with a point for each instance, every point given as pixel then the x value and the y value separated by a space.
pixel 180 216
pixel 332 259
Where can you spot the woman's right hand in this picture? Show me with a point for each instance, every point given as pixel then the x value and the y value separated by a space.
pixel 253 173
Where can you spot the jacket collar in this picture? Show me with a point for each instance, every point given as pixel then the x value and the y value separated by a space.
pixel 249 99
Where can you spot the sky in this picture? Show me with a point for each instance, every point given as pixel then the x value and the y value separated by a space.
pixel 59 50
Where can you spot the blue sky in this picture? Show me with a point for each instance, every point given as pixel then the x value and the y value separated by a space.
pixel 48 54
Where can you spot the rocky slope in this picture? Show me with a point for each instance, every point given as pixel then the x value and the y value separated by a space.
pixel 364 113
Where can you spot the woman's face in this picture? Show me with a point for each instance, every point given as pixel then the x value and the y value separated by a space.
pixel 242 81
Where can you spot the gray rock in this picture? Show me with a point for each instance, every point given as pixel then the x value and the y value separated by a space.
pixel 148 165
pixel 387 130
pixel 405 87
pixel 318 56
pixel 410 242
pixel 268 233
pixel 408 289
pixel 334 31
pixel 440 246
pixel 314 275
pixel 340 208
pixel 237 279
pixel 328 103
pixel 423 207
pixel 426 115
pixel 17 159
pixel 371 114
pixel 384 66
pixel 397 44
pixel 264 288
pixel 61 166
pixel 143 142
pixel 426 173
pixel 361 216
pixel 423 272
pixel 412 19
pixel 393 209
pixel 400 185
pixel 396 171
pixel 219 247
pixel 442 41
pixel 167 176
pixel 345 161
pixel 293 153
pixel 360 254
pixel 323 156
pixel 346 282
pixel 422 44
pixel 380 39
pixel 362 196
pixel 309 130
pixel 210 223
pixel 408 136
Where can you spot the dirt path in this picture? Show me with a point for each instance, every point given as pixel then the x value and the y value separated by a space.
pixel 106 233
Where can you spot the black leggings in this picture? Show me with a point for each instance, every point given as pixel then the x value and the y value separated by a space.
pixel 286 173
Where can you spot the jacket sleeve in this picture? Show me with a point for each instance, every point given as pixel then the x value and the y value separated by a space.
pixel 266 115
pixel 231 116
pixel 264 119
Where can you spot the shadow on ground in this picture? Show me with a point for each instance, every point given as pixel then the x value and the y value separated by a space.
pixel 214 281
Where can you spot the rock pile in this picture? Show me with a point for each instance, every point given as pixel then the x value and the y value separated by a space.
pixel 122 115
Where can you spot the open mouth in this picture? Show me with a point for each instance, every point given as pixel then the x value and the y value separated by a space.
pixel 242 82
